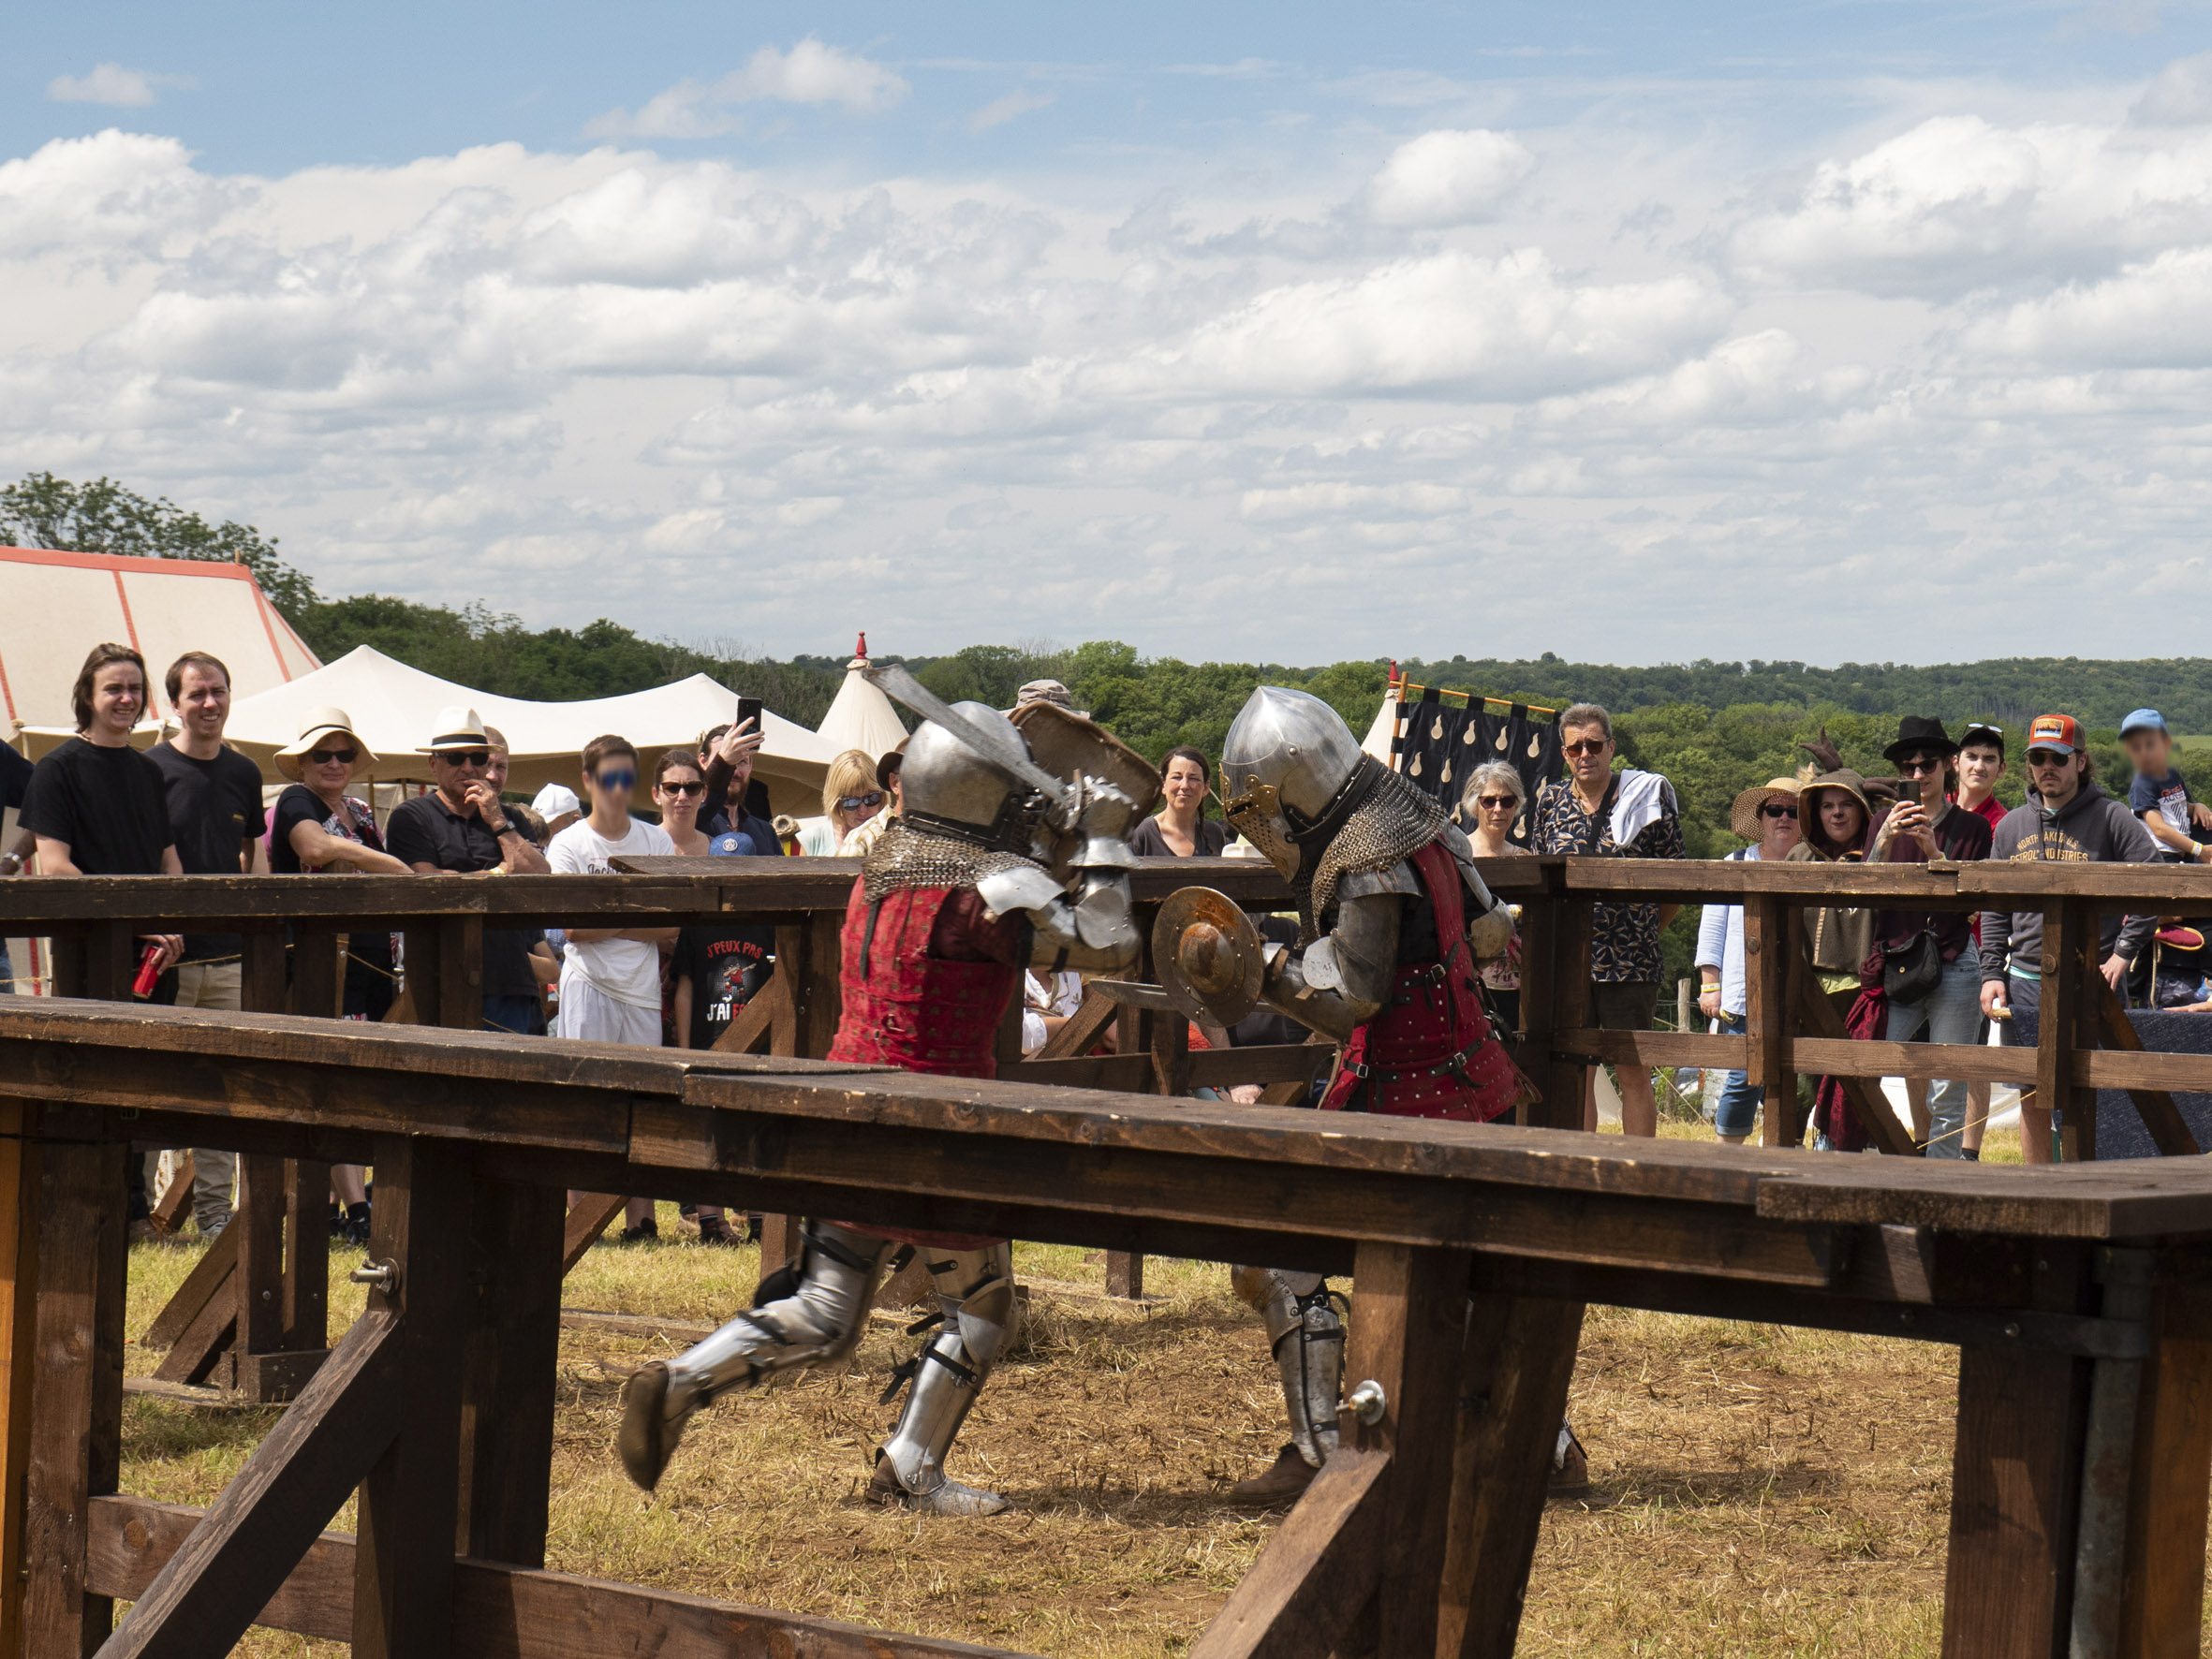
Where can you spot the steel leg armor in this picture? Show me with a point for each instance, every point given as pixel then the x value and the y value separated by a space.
pixel 1308 1335
pixel 813 1315
pixel 976 1300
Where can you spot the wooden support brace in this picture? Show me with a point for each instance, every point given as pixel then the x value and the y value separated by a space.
pixel 2169 1130
pixel 2163 1607
pixel 1084 1029
pixel 18 1275
pixel 1863 1094
pixel 1315 1574
pixel 588 1217
pixel 226 1571
pixel 515 1267
pixel 176 1202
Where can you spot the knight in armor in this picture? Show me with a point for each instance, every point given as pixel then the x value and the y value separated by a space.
pixel 983 876
pixel 1392 918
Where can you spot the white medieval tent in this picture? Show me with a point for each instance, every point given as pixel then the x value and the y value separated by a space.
pixel 395 706
pixel 861 717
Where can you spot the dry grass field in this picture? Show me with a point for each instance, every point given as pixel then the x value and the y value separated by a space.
pixel 1758 1490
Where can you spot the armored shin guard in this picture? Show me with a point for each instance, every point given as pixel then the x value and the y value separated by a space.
pixel 976 1296
pixel 1308 1335
pixel 819 1318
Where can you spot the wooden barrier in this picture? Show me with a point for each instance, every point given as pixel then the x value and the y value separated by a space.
pixel 2081 1465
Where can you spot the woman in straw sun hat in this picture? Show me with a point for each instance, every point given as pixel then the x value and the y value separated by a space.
pixel 1766 816
pixel 319 826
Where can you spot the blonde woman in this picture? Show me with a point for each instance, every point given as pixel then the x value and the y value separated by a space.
pixel 850 797
pixel 1494 797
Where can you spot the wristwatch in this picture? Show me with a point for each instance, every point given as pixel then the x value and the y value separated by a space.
pixel 12 863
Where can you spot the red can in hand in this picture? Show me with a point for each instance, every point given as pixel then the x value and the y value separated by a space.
pixel 149 973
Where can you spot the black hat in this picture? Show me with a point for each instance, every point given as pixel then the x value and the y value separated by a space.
pixel 1919 734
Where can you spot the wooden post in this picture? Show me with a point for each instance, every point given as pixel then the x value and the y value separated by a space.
pixel 2059 1014
pixel 1409 1324
pixel 1514 1372
pixel 318 976
pixel 2163 1599
pixel 258 1280
pixel 75 1443
pixel 19 1276
pixel 511 1367
pixel 410 1502
pixel 303 1299
pixel 1770 953
pixel 1555 997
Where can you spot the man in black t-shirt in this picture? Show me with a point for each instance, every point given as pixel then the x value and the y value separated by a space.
pixel 15 776
pixel 461 827
pixel 716 971
pixel 97 807
pixel 215 817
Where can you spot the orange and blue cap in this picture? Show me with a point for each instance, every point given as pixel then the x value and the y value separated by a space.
pixel 2055 731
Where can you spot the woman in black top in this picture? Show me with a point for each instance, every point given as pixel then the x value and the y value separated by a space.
pixel 1179 830
pixel 316 826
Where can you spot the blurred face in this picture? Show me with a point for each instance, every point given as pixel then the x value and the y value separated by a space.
pixel 680 793
pixel 328 767
pixel 1589 754
pixel 1184 784
pixel 1778 829
pixel 118 698
pixel 2150 753
pixel 204 701
pixel 612 782
pixel 1979 767
pixel 1843 820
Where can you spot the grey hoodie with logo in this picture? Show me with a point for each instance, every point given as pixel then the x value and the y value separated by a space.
pixel 2091 829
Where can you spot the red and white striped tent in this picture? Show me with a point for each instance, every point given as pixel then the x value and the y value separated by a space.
pixel 55 607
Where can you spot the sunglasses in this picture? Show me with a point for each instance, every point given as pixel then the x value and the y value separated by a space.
pixel 466 757
pixel 682 788
pixel 854 802
pixel 325 757
pixel 1587 746
pixel 2047 757
pixel 1772 811
pixel 1919 766
pixel 1496 804
pixel 626 778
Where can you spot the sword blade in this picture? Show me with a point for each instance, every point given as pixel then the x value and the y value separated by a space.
pixel 1131 994
pixel 893 681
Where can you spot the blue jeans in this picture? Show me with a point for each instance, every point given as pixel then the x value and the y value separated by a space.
pixel 1951 1013
pixel 1737 1112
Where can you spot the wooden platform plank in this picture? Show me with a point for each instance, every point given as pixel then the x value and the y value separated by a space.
pixel 1315 1574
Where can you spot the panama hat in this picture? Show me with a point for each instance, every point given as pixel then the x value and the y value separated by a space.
pixel 314 727
pixel 1744 817
pixel 458 727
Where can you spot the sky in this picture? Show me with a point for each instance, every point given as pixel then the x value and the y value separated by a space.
pixel 1854 330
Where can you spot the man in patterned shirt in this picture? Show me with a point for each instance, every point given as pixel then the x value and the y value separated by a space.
pixel 1594 812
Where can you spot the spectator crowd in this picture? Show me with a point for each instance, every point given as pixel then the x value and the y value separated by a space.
pixel 192 805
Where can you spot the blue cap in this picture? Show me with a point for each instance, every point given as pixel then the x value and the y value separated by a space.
pixel 728 844
pixel 2142 720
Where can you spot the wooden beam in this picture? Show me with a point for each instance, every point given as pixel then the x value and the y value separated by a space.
pixel 1315 1574
pixel 410 1506
pixel 75 1451
pixel 304 1296
pixel 201 1286
pixel 750 1030
pixel 1769 1018
pixel 1084 1029
pixel 211 1589
pixel 1511 1397
pixel 507 1612
pixel 176 1202
pixel 2059 1015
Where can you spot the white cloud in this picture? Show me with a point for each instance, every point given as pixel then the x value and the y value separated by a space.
pixel 2180 95
pixel 1448 178
pixel 809 73
pixel 1243 410
pixel 998 111
pixel 1958 204
pixel 110 191
pixel 114 85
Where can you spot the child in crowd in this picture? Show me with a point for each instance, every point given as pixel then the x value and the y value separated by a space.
pixel 2158 795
